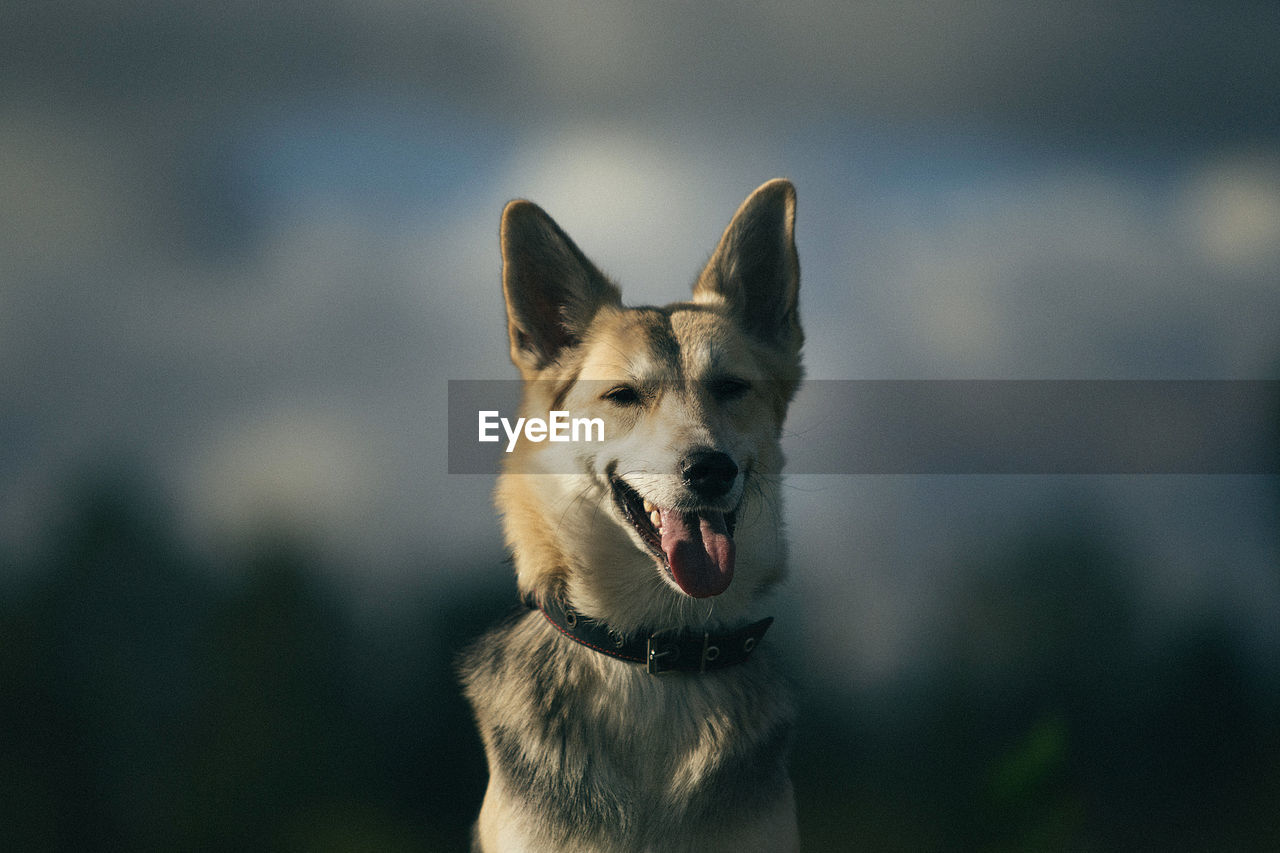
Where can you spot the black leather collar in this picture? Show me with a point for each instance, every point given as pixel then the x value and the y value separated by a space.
pixel 658 651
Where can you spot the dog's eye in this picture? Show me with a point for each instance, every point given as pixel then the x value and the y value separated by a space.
pixel 728 388
pixel 623 395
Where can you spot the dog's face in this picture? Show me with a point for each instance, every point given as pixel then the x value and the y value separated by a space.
pixel 675 517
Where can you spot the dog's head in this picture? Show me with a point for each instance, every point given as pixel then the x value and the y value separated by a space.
pixel 675 516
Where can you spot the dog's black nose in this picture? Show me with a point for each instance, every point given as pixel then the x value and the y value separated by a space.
pixel 708 472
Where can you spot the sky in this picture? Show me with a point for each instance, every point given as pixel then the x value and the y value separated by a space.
pixel 244 247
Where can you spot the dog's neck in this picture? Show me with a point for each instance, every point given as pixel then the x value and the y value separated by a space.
pixel 659 651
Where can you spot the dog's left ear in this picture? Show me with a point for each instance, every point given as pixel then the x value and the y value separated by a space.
pixel 755 270
pixel 552 290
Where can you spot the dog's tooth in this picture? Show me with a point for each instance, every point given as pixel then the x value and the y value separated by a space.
pixel 655 518
pixel 648 505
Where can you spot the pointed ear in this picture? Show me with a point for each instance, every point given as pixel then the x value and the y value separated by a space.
pixel 755 270
pixel 552 290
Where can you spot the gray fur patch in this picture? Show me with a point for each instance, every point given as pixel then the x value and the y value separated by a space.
pixel 556 730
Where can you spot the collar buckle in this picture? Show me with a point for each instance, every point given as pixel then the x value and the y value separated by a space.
pixel 660 656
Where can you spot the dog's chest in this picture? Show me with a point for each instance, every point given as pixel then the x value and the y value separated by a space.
pixel 586 741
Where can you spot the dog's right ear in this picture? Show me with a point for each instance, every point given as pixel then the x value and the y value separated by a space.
pixel 552 290
pixel 755 271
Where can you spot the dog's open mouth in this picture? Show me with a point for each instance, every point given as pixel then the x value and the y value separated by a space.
pixel 695 546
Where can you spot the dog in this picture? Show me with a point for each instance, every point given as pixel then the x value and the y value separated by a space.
pixel 633 706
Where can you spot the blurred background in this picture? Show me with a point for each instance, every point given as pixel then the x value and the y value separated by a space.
pixel 245 246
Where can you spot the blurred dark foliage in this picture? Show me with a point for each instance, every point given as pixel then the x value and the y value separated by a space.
pixel 1052 723
pixel 150 700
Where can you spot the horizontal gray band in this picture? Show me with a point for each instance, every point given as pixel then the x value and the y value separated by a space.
pixel 981 426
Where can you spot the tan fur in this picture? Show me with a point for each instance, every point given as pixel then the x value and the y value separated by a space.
pixel 586 752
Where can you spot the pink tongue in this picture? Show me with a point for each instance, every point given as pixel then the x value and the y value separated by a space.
pixel 699 551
